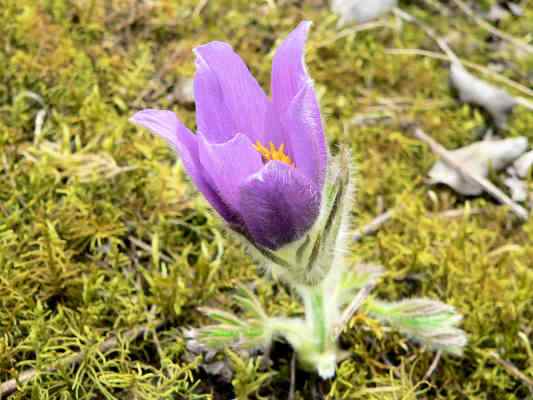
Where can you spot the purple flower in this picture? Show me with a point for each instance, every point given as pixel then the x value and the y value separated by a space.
pixel 260 162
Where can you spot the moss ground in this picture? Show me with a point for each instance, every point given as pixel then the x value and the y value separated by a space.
pixel 100 230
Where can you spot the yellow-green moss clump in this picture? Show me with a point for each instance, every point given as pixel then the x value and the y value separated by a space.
pixel 100 231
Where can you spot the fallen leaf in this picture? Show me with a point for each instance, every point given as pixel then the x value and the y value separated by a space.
pixel 497 13
pixel 516 9
pixel 478 158
pixel 518 188
pixel 184 91
pixel 361 11
pixel 497 102
pixel 523 164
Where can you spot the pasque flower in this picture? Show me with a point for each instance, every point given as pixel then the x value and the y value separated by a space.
pixel 259 161
pixel 263 165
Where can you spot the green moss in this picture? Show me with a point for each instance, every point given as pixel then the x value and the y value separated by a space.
pixel 100 231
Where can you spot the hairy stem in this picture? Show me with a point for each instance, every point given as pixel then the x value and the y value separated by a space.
pixel 318 317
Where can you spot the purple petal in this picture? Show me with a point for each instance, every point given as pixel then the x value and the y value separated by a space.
pixel 278 205
pixel 288 68
pixel 228 165
pixel 305 135
pixel 274 130
pixel 238 94
pixel 161 122
pixel 212 116
pixel 167 125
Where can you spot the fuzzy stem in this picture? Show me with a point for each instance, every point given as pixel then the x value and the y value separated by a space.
pixel 319 351
pixel 317 316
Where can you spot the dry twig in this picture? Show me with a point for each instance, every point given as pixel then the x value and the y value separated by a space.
pixel 199 7
pixel 352 31
pixel 292 388
pixel 436 5
pixel 429 31
pixel 433 365
pixel 511 369
pixel 139 243
pixel 487 71
pixel 349 311
pixel 491 29
pixel 374 225
pixel 524 102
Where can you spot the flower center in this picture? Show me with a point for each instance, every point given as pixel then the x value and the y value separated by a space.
pixel 272 153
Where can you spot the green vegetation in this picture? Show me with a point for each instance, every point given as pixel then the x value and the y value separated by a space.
pixel 101 232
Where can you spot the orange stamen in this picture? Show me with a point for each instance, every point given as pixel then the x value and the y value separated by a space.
pixel 272 153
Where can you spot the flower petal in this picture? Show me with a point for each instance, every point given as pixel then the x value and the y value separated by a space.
pixel 305 135
pixel 161 122
pixel 240 95
pixel 289 72
pixel 274 130
pixel 212 116
pixel 228 165
pixel 168 126
pixel 278 205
